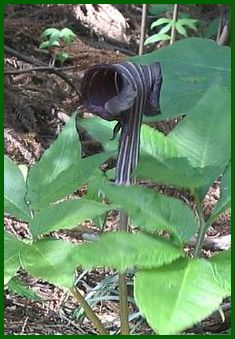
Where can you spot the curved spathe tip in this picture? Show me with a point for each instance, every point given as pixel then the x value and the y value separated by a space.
pixel 107 92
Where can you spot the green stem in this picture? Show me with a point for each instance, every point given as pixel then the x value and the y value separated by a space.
pixel 89 312
pixel 123 304
pixel 202 227
pixel 123 295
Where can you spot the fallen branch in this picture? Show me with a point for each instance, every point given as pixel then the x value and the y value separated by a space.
pixel 40 69
pixel 41 64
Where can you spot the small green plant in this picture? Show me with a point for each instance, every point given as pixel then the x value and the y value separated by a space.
pixel 58 39
pixel 181 26
pixel 172 289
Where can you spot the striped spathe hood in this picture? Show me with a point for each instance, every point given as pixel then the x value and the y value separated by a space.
pixel 123 92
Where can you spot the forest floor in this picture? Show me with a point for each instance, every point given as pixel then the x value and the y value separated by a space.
pixel 37 103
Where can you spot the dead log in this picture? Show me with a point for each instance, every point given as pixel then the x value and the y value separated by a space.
pixel 104 19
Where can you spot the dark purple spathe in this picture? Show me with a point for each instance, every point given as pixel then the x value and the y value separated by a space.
pixel 123 92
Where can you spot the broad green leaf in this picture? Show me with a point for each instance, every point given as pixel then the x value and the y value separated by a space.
pixel 163 162
pixel 153 142
pixel 156 37
pixel 225 195
pixel 12 247
pixel 70 180
pixel 15 191
pixel 94 193
pixel 204 136
pixel 174 171
pixel 176 296
pixel 157 144
pixel 50 260
pixel 153 211
pixel 189 68
pixel 195 154
pixel 96 180
pixel 123 250
pixel 20 287
pixel 62 154
pixel 101 130
pixel 222 268
pixel 66 215
pixel 159 22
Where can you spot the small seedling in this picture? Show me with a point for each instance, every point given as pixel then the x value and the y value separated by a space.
pixel 56 40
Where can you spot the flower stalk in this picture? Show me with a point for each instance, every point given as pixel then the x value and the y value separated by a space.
pixel 123 92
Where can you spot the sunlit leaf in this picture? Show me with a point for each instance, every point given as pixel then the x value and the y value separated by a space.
pixel 222 268
pixel 64 153
pixel 12 248
pixel 156 37
pixel 66 215
pixel 50 260
pixel 177 296
pixel 153 211
pixel 15 191
pixel 159 22
pixel 122 250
